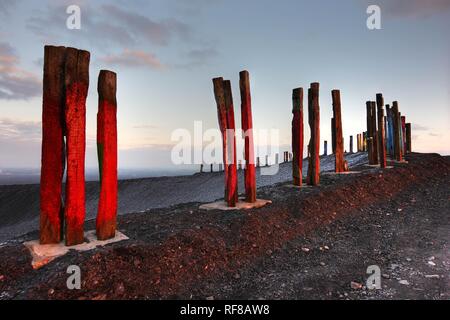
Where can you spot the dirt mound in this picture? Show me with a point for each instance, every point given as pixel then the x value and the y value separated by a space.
pixel 174 249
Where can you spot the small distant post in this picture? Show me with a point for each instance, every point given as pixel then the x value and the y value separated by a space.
pixel 404 134
pixel 314 124
pixel 267 160
pixel 381 131
pixel 351 144
pixel 297 136
pixel 258 162
pixel 211 167
pixel 338 135
pixel 107 155
pixel 325 148
pixel 408 138
pixel 369 131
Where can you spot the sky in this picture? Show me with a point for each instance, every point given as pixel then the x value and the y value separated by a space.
pixel 166 53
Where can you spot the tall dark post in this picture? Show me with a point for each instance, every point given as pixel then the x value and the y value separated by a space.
pixel 369 132
pixel 338 135
pixel 396 124
pixel 381 131
pixel 247 127
pixel 297 136
pixel 351 144
pixel 107 155
pixel 408 138
pixel 314 144
pixel 333 135
pixel 374 132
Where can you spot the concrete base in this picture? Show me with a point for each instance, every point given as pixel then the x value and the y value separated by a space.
pixel 42 254
pixel 241 205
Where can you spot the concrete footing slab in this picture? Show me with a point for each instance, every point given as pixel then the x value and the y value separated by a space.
pixel 43 254
pixel 241 205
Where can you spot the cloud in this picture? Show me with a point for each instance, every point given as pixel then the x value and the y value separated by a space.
pixel 107 24
pixel 418 127
pixel 412 8
pixel 15 83
pixel 18 130
pixel 6 6
pixel 134 58
pixel 198 57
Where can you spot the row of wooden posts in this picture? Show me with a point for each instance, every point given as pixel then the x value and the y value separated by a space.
pixel 385 135
pixel 65 90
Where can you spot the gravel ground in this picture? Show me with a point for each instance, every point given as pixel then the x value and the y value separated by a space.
pixel 309 244
pixel 19 204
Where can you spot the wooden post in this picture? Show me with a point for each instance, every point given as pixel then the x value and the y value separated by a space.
pixel 396 124
pixel 222 118
pixel 247 127
pixel 267 160
pixel 338 135
pixel 381 131
pixel 201 168
pixel 211 167
pixel 351 144
pixel 374 132
pixel 333 135
pixel 52 156
pixel 107 155
pixel 408 138
pixel 77 84
pixel 325 148
pixel 403 118
pixel 231 139
pixel 314 124
pixel 369 131
pixel 258 162
pixel 297 136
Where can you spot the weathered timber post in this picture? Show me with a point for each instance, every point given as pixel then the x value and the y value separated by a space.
pixel 219 95
pixel 211 167
pixel 201 168
pixel 247 127
pixel 374 132
pixel 338 135
pixel 325 148
pixel 107 155
pixel 297 136
pixel 333 135
pixel 267 160
pixel 369 132
pixel 408 138
pixel 231 139
pixel 258 162
pixel 396 124
pixel 53 154
pixel 404 133
pixel 357 142
pixel 381 131
pixel 351 144
pixel 314 145
pixel 365 143
pixel 77 84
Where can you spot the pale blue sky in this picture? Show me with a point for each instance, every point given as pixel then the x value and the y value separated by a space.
pixel 166 53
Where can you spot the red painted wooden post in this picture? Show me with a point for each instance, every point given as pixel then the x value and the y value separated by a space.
pixel 232 196
pixel 52 157
pixel 381 131
pixel 77 84
pixel 107 155
pixel 297 136
pixel 397 150
pixel 314 145
pixel 247 127
pixel 338 135
pixel 222 118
